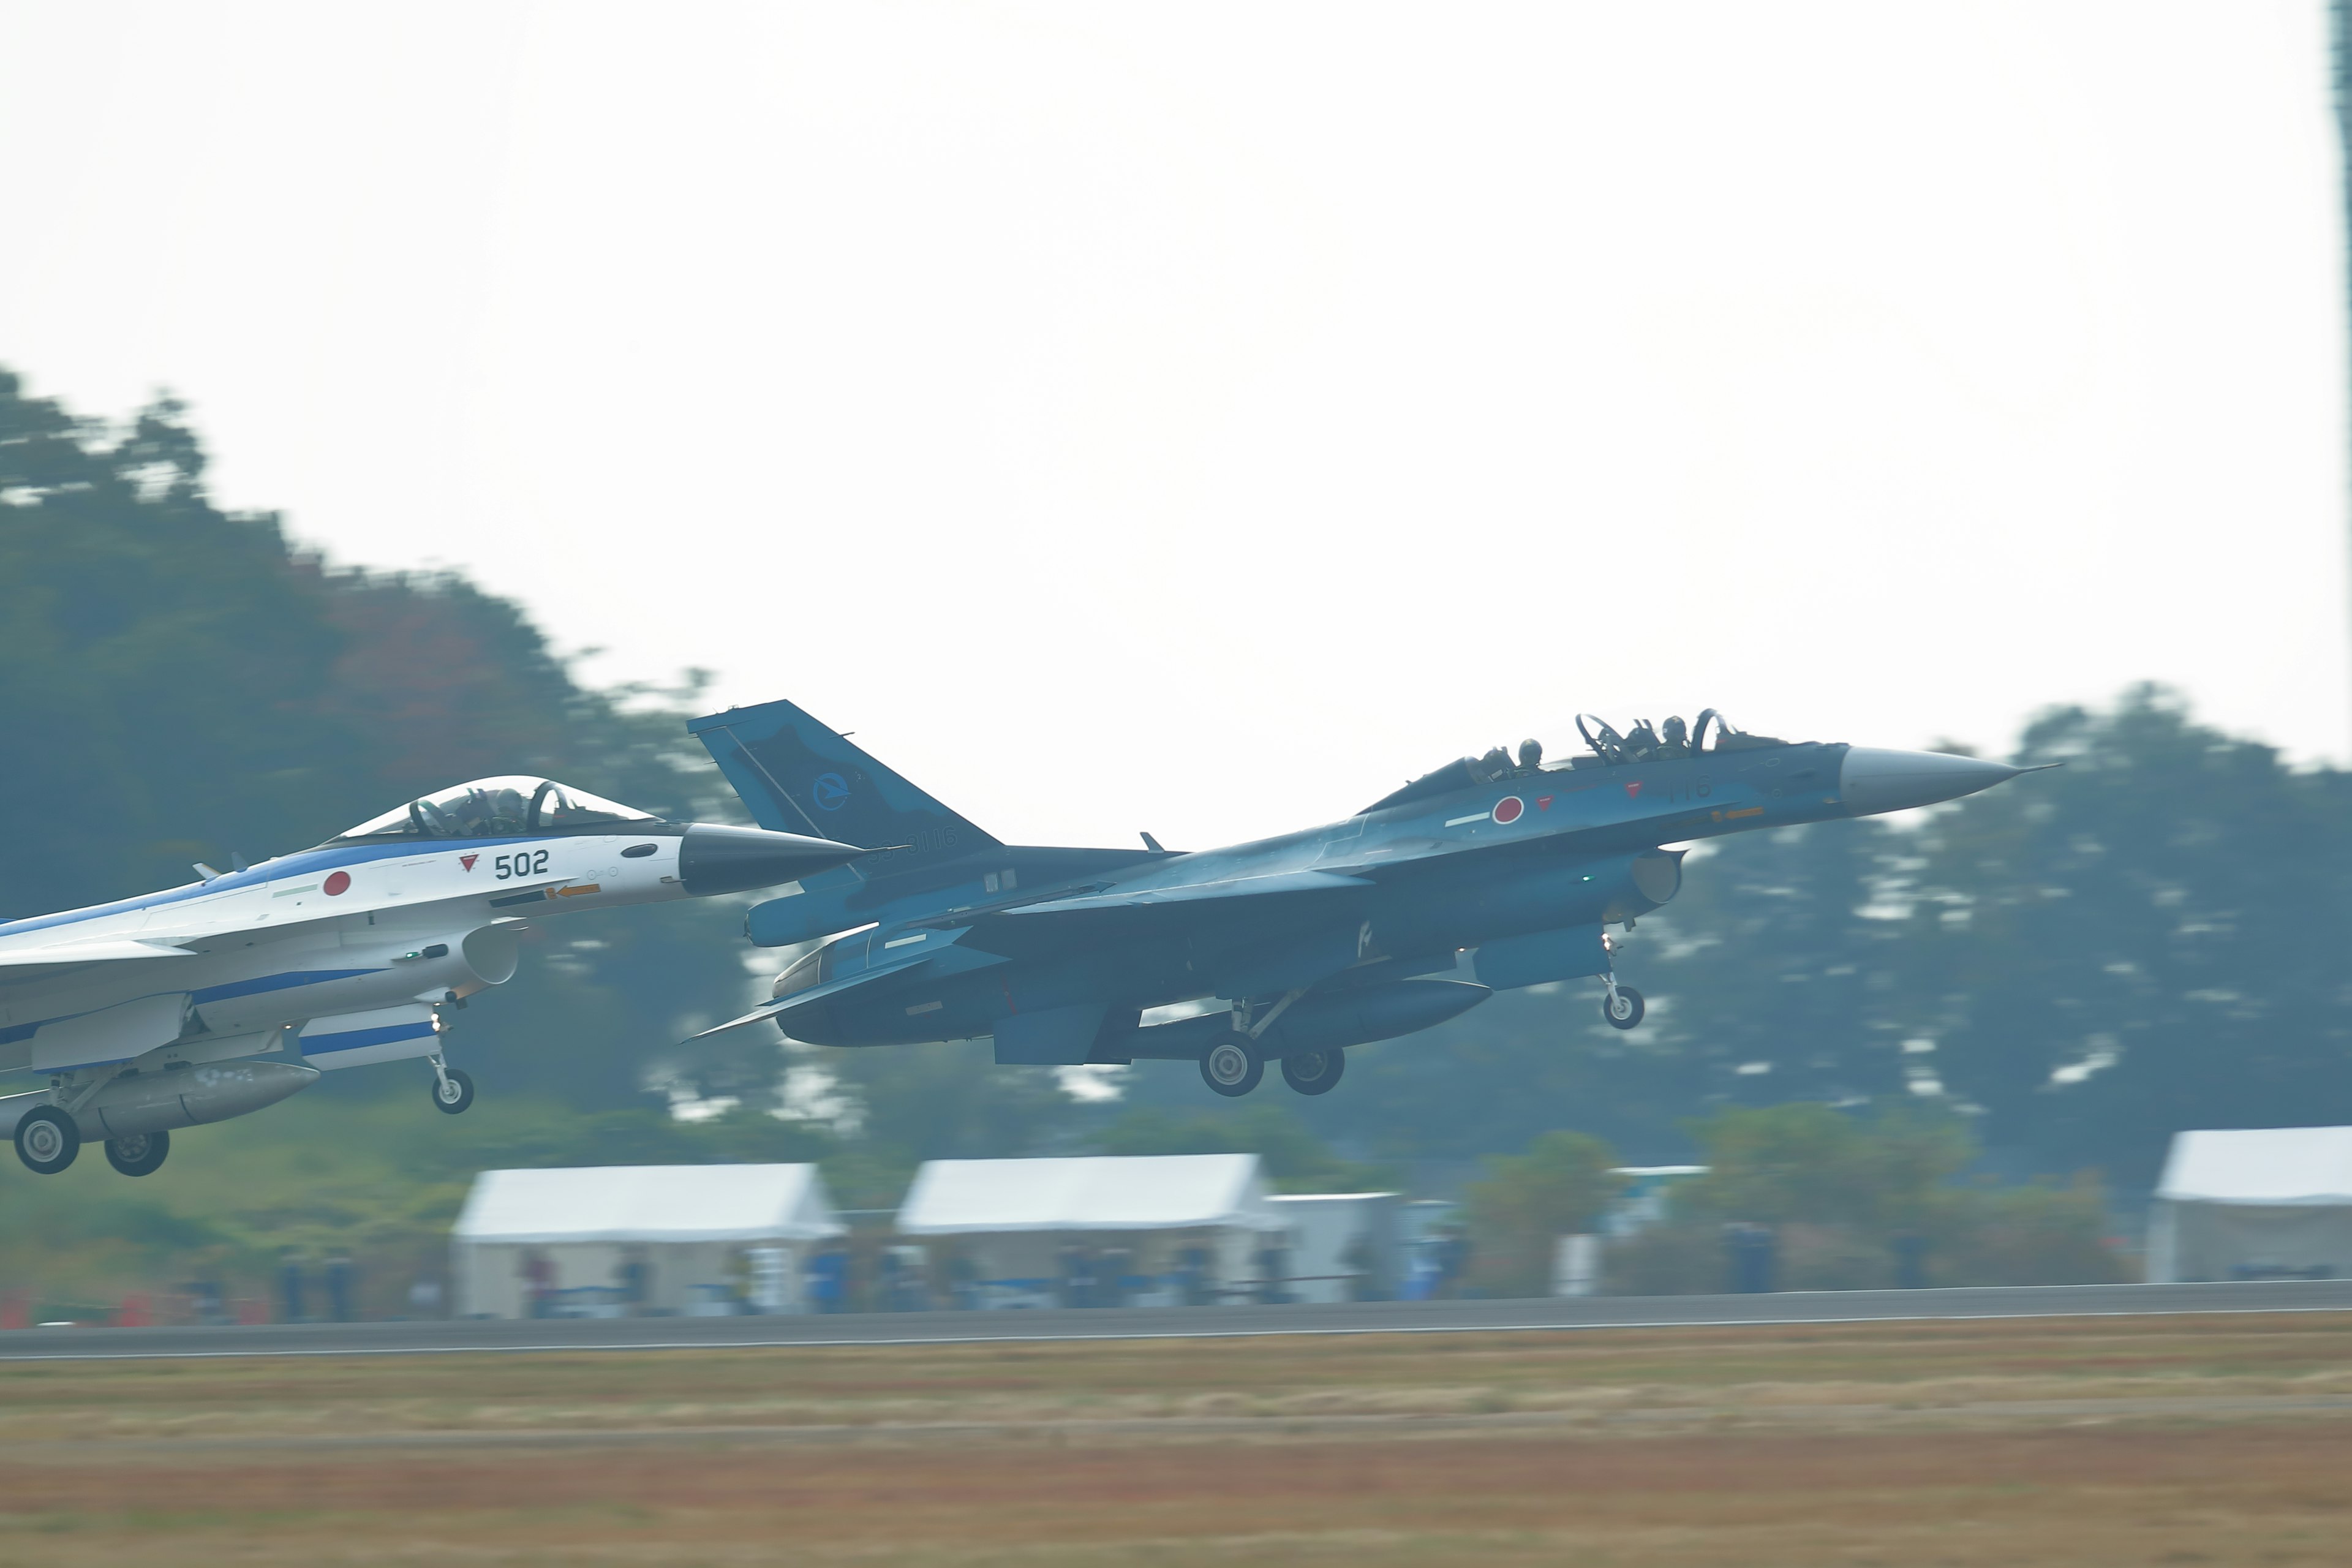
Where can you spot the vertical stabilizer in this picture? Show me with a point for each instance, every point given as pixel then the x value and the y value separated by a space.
pixel 798 777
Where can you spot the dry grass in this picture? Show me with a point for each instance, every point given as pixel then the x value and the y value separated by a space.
pixel 2217 1440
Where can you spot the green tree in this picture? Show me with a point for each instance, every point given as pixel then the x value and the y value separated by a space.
pixel 2079 963
pixel 1558 1187
pixel 1843 1192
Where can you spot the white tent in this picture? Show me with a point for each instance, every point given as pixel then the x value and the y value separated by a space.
pixel 1169 1226
pixel 2254 1203
pixel 1345 1246
pixel 609 1238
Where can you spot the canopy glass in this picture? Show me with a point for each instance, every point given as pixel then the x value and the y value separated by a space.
pixel 497 807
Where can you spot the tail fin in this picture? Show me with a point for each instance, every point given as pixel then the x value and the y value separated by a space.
pixel 797 776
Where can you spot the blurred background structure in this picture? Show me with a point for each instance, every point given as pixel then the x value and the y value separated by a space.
pixel 638 1240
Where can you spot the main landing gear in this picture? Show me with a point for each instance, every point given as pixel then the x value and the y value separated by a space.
pixel 48 1140
pixel 1232 1066
pixel 452 1089
pixel 138 1153
pixel 1313 1072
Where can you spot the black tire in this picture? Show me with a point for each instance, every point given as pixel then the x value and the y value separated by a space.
pixel 48 1140
pixel 1627 1011
pixel 1232 1066
pixel 138 1153
pixel 1315 1072
pixel 461 1084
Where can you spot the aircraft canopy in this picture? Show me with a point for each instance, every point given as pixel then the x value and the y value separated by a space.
pixel 493 807
pixel 1605 748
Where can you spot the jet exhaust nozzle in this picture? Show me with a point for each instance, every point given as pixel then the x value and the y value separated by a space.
pixel 716 859
pixel 1871 779
pixel 180 1097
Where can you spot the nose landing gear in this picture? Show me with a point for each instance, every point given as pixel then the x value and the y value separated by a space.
pixel 1621 1007
pixel 452 1089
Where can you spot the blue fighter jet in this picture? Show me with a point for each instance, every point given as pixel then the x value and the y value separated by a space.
pixel 1312 941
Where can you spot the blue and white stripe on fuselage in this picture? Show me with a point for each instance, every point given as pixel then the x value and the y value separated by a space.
pixel 343 928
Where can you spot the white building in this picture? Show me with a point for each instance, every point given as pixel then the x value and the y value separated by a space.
pixel 608 1240
pixel 2267 1202
pixel 1344 1246
pixel 1147 1229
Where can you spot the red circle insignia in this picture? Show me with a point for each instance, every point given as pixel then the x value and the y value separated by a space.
pixel 339 882
pixel 1507 809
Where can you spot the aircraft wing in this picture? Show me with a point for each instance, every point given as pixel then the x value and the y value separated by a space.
pixel 1028 929
pixel 1272 884
pixel 22 965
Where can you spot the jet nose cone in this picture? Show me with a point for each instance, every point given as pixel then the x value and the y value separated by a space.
pixel 1872 780
pixel 715 859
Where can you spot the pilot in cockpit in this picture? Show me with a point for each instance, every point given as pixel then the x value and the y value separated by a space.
pixel 491 812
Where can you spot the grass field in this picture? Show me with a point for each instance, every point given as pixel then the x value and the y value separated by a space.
pixel 2223 1439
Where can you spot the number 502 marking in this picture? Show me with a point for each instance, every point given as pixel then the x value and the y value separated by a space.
pixel 526 864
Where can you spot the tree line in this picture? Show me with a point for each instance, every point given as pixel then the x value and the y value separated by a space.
pixel 2070 968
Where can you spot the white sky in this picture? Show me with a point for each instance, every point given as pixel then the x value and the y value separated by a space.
pixel 1202 417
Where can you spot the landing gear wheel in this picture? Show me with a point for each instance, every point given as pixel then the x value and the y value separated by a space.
pixel 138 1154
pixel 1233 1067
pixel 1313 1072
pixel 1621 1007
pixel 452 1092
pixel 48 1140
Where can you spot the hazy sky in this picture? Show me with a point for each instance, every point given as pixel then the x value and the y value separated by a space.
pixel 1199 418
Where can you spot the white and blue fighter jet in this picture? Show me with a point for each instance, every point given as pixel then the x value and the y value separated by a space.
pixel 215 999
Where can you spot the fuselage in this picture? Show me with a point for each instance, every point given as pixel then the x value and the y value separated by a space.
pixel 337 930
pixel 351 928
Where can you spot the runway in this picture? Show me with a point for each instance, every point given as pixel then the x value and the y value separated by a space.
pixel 479 1336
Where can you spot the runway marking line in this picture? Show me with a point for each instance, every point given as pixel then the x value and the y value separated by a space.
pixel 8 1354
